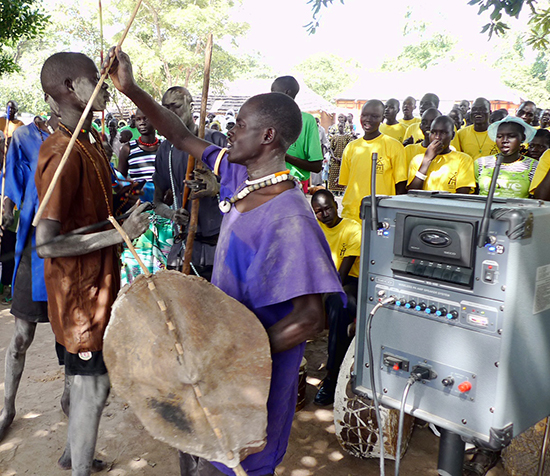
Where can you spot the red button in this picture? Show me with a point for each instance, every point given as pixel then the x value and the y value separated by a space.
pixel 465 387
pixel 490 267
pixel 395 366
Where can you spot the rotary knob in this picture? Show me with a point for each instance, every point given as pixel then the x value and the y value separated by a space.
pixel 452 315
pixel 421 306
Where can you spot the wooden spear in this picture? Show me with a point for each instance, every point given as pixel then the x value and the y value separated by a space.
pixel 6 132
pixel 193 221
pixel 103 136
pixel 85 113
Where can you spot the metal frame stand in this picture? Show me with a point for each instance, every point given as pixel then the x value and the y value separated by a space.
pixel 451 454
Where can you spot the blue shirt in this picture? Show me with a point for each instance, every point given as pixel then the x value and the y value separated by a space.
pixel 21 164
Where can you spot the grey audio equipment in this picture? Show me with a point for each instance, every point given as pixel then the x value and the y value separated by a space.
pixel 477 318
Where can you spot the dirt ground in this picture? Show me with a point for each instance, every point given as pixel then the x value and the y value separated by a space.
pixel 37 436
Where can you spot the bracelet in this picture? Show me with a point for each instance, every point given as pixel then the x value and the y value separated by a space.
pixel 421 176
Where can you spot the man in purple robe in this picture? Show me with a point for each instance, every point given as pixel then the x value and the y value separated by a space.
pixel 272 255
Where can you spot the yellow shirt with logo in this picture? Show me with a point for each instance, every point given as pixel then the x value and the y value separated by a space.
pixel 409 122
pixel 397 131
pixel 344 240
pixel 476 144
pixel 414 131
pixel 412 150
pixel 542 170
pixel 446 172
pixel 455 143
pixel 355 171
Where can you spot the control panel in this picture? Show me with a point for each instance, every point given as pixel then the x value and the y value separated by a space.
pixel 444 378
pixel 450 308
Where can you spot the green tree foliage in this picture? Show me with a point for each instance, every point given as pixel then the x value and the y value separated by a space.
pixel 328 74
pixel 530 78
pixel 253 66
pixel 539 18
pixel 71 28
pixel 423 55
pixel 316 6
pixel 20 20
pixel 168 41
pixel 166 44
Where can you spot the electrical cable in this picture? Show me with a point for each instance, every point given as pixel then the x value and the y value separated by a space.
pixel 410 382
pixel 384 302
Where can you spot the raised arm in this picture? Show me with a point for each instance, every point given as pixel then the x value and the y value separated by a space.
pixel 166 122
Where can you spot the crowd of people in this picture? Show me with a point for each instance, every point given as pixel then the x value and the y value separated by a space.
pixel 289 260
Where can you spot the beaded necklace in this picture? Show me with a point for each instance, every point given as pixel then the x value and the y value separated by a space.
pixel 146 144
pixel 252 185
pixel 90 157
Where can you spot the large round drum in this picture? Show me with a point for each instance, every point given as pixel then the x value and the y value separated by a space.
pixel 355 419
pixel 193 363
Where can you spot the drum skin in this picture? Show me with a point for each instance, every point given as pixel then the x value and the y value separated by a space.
pixel 355 419
pixel 211 400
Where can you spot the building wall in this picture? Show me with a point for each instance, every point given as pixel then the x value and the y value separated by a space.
pixel 445 106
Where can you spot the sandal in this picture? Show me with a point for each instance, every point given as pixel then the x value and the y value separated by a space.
pixel 481 461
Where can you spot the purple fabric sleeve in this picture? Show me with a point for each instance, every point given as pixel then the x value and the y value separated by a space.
pixel 232 176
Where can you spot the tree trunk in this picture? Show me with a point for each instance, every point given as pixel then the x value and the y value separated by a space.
pixel 165 65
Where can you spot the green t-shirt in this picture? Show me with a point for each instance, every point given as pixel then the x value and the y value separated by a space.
pixel 135 134
pixel 307 147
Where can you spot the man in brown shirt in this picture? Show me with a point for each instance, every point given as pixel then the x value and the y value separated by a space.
pixel 9 123
pixel 82 272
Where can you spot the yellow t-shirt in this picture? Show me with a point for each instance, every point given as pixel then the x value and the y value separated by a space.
pixel 455 143
pixel 355 171
pixel 412 150
pixel 414 131
pixel 476 144
pixel 542 170
pixel 397 131
pixel 446 172
pixel 409 122
pixel 344 240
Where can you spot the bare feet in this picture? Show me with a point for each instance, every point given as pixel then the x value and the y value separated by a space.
pixel 6 418
pixel 97 464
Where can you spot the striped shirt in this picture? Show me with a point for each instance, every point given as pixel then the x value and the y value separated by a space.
pixel 141 163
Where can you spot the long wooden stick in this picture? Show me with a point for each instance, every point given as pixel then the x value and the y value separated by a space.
pixel 101 61
pixel 129 244
pixel 6 132
pixel 83 117
pixel 193 221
